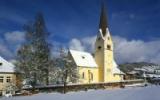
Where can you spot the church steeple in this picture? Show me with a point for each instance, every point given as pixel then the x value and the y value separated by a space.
pixel 103 20
pixel 104 55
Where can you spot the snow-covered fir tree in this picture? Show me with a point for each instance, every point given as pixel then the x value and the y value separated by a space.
pixel 34 60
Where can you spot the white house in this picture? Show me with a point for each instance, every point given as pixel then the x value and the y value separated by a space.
pixel 7 77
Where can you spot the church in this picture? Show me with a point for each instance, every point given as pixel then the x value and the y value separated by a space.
pixel 101 67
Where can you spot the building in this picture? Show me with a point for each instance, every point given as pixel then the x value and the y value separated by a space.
pixel 101 67
pixel 132 75
pixel 7 77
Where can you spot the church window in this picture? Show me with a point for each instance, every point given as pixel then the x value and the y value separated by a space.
pixel 1 79
pixel 91 76
pixel 1 64
pixel 99 47
pixel 83 75
pixel 108 47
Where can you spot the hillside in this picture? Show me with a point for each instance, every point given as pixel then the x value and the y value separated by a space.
pixel 130 66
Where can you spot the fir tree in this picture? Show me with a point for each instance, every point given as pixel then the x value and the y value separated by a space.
pixel 34 55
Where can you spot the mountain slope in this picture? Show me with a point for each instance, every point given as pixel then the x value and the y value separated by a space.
pixel 127 67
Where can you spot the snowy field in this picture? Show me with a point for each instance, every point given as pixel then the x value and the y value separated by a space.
pixel 138 93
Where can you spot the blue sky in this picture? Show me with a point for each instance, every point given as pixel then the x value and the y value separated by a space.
pixel 66 20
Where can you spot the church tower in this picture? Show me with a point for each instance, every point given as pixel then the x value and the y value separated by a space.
pixel 104 50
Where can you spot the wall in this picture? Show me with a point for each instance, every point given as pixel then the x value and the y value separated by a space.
pixel 87 74
pixel 5 83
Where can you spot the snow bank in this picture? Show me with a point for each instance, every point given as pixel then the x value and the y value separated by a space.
pixel 139 93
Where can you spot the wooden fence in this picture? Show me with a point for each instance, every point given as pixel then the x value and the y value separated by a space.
pixel 77 87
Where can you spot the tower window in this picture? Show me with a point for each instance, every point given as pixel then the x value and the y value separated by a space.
pixel 108 38
pixel 1 64
pixel 108 47
pixel 99 47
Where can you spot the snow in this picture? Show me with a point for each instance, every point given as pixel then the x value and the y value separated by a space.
pixel 83 59
pixel 138 93
pixel 6 66
pixel 116 70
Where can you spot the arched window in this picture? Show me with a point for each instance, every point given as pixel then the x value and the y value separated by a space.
pixel 91 75
pixel 83 75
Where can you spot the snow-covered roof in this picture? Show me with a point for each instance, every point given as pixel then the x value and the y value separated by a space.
pixel 6 66
pixel 132 72
pixel 83 59
pixel 116 70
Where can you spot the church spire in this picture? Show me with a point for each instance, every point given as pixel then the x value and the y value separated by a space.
pixel 103 20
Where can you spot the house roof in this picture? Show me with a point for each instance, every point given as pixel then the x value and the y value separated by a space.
pixel 83 59
pixel 6 66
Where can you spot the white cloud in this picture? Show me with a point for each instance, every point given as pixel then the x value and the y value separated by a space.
pixel 76 44
pixel 125 50
pixel 136 50
pixel 10 43
pixel 15 36
pixel 85 44
pixel 4 51
pixel 89 43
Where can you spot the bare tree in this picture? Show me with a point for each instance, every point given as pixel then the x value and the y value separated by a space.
pixel 68 69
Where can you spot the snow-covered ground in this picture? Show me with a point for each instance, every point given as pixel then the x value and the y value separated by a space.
pixel 138 93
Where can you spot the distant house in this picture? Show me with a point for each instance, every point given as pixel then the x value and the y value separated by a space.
pixel 131 75
pixel 157 71
pixel 7 77
pixel 150 73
